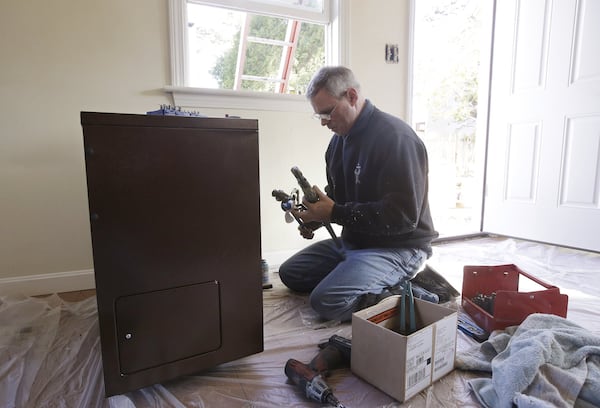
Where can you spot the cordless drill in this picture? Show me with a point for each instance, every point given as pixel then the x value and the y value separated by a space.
pixel 309 377
pixel 310 382
pixel 335 353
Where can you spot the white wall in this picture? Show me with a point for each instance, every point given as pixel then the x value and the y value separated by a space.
pixel 59 58
pixel 373 24
pixel 62 57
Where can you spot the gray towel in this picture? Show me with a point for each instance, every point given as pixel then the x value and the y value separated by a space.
pixel 547 361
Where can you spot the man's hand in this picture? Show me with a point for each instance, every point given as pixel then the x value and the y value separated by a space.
pixel 307 230
pixel 316 212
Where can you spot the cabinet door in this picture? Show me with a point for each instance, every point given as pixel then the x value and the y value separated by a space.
pixel 176 324
pixel 174 205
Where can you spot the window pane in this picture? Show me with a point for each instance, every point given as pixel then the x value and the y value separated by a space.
pixel 263 60
pixel 268 27
pixel 259 86
pixel 309 57
pixel 312 5
pixel 214 38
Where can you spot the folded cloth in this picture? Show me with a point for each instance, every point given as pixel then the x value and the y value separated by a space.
pixel 546 361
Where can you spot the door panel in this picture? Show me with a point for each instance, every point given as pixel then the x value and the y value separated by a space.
pixel 543 168
pixel 190 316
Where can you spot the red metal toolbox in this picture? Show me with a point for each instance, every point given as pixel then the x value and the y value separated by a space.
pixel 510 307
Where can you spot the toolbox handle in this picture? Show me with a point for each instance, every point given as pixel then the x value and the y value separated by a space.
pixel 536 280
pixel 519 271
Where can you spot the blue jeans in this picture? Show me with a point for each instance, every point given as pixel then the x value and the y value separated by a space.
pixel 337 278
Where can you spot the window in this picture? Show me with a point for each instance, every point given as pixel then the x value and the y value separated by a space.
pixel 261 47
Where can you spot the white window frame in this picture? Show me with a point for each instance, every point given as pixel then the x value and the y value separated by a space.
pixel 335 40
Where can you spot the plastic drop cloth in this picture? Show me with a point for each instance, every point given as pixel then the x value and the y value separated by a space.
pixel 50 348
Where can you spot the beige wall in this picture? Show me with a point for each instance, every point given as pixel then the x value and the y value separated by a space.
pixel 62 57
pixel 373 24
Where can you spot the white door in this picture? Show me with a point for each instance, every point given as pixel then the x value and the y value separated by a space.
pixel 543 169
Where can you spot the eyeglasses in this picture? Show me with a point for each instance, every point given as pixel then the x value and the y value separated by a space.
pixel 326 116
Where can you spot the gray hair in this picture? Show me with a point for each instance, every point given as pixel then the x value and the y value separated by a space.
pixel 334 80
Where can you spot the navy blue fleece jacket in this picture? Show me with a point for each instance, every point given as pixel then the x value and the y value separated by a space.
pixel 378 178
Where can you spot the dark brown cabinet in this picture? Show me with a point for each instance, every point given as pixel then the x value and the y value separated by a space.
pixel 175 225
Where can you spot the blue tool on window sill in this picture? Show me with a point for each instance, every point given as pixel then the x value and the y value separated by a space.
pixel 168 110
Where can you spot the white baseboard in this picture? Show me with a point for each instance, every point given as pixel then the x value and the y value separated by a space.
pixel 33 285
pixel 44 284
pixel 276 258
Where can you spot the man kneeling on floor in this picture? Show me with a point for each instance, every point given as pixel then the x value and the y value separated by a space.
pixel 377 174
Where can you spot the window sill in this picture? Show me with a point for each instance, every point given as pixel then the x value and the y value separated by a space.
pixel 228 99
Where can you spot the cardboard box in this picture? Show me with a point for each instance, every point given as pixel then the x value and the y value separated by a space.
pixel 510 302
pixel 399 365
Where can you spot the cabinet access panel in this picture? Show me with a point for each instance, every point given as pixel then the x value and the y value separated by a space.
pixel 175 225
